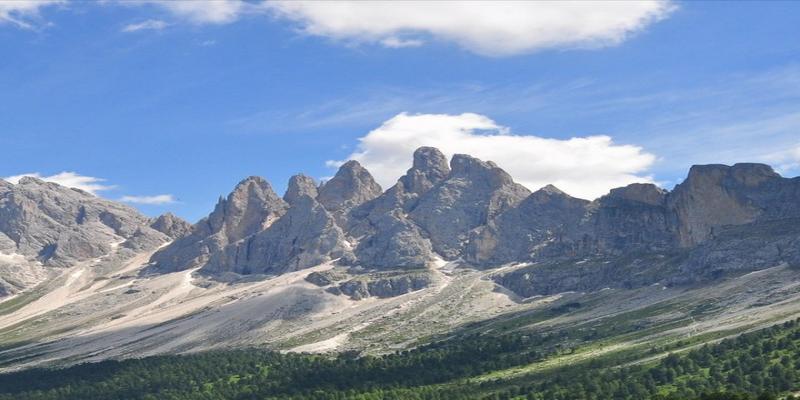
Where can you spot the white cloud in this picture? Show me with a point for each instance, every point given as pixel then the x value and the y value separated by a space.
pixel 786 161
pixel 69 179
pixel 20 12
pixel 397 43
pixel 490 28
pixel 585 167
pixel 148 25
pixel 202 12
pixel 149 200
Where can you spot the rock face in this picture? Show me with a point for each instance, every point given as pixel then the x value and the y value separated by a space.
pixel 631 218
pixel 380 285
pixel 722 220
pixel 307 235
pixel 249 209
pixel 300 186
pixel 171 226
pixel 45 226
pixel 388 238
pixel 428 170
pixel 350 187
pixel 473 193
pixel 546 218
pixel 60 226
pixel 717 195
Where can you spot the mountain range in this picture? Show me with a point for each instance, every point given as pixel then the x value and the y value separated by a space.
pixel 454 246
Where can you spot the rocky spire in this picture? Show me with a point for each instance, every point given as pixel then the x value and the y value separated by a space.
pixel 171 225
pixel 307 235
pixel 300 185
pixel 251 207
pixel 474 192
pixel 352 186
pixel 429 168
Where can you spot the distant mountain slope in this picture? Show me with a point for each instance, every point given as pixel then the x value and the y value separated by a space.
pixel 46 225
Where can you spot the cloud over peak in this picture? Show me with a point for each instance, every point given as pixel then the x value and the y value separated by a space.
pixel 88 184
pixel 498 28
pixel 585 167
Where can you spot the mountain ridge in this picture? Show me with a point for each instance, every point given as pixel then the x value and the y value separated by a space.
pixel 349 266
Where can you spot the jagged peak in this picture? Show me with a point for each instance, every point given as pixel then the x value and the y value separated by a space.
pixel 429 168
pixel 30 180
pixel 551 190
pixel 252 180
pixel 300 186
pixel 430 159
pixel 171 225
pixel 466 165
pixel 352 185
pixel 250 206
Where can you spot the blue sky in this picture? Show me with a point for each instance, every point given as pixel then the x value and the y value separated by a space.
pixel 191 102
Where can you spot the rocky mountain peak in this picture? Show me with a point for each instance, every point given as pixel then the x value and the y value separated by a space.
pixel 351 186
pixel 307 235
pixel 549 190
pixel 746 174
pixel 171 225
pixel 647 193
pixel 29 180
pixel 429 168
pixel 717 195
pixel 430 159
pixel 473 193
pixel 463 165
pixel 752 174
pixel 249 208
pixel 59 226
pixel 300 186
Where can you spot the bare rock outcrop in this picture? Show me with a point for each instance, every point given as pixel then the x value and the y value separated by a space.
pixel 387 238
pixel 250 208
pixel 300 186
pixel 59 226
pixel 546 218
pixel 171 225
pixel 307 235
pixel 473 193
pixel 352 186
pixel 718 195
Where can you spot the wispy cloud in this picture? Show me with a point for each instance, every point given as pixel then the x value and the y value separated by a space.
pixel 149 200
pixel 148 25
pixel 88 184
pixel 24 14
pixel 398 43
pixel 202 12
